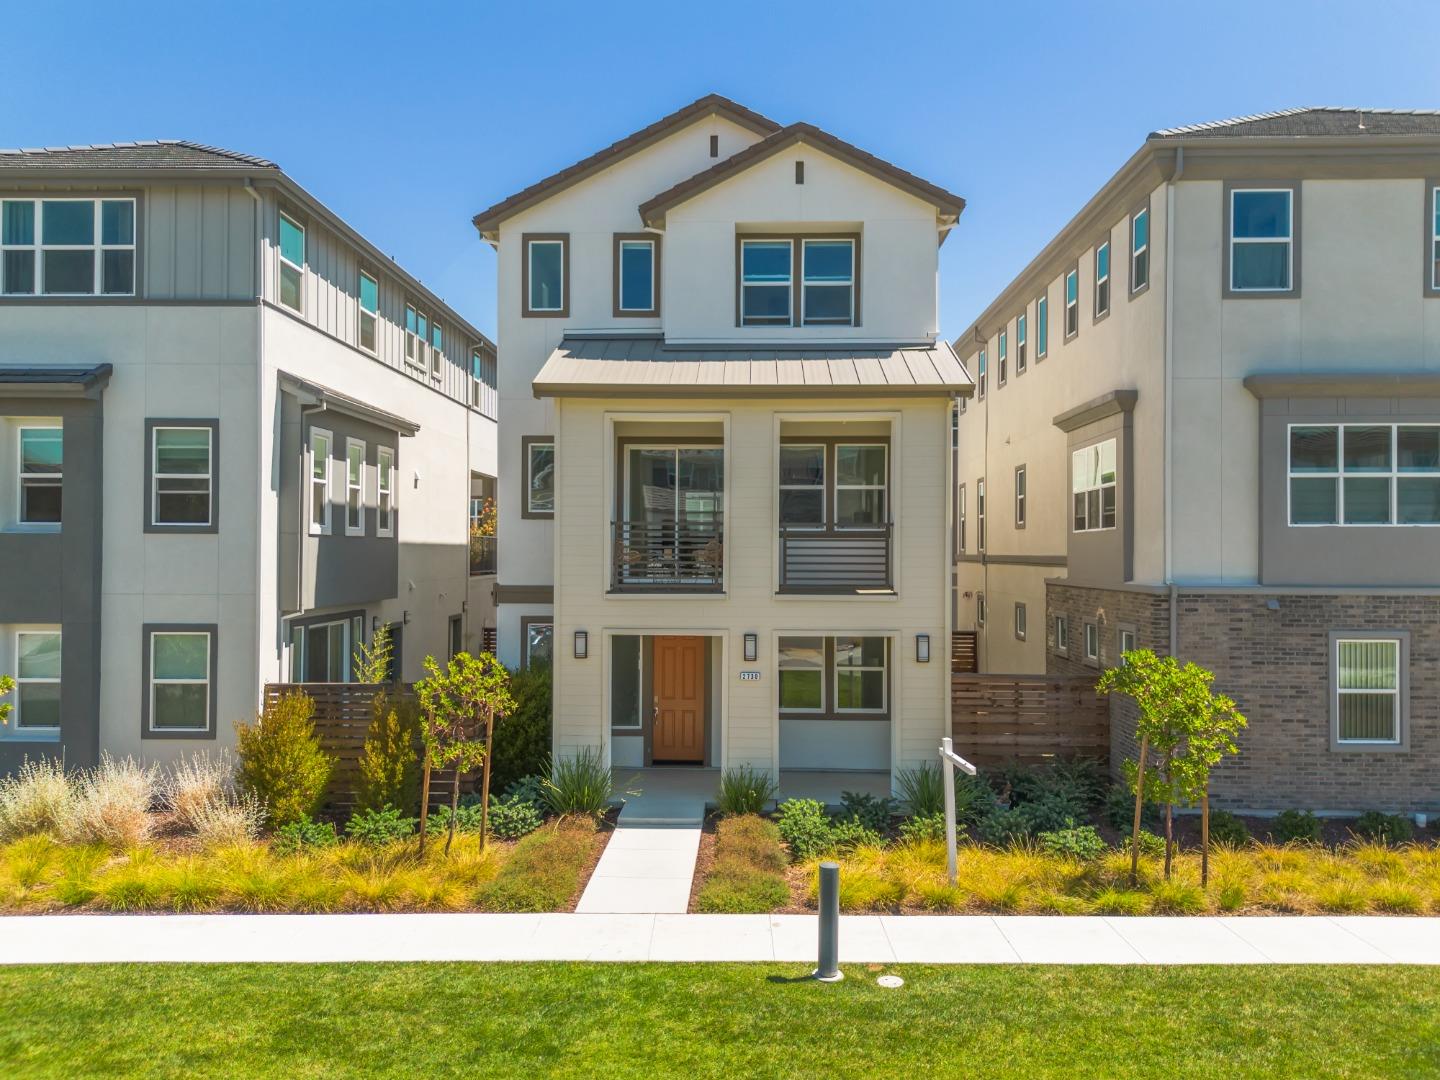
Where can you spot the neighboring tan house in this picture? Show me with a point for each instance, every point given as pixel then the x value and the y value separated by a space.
pixel 725 417
pixel 1208 423
pixel 235 438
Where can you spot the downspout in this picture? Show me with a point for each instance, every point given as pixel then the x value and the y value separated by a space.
pixel 1170 392
pixel 258 250
pixel 302 525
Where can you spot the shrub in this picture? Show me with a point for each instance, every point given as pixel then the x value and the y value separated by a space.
pixel 1075 784
pixel 113 804
pixel 579 785
pixel 1151 846
pixel 805 828
pixel 1226 828
pixel 1120 807
pixel 300 835
pixel 378 827
pixel 1081 842
pixel 1047 814
pixel 1005 827
pixel 281 762
pixel 846 834
pixel 748 873
pixel 530 789
pixel 1384 828
pixel 192 786
pixel 745 790
pixel 467 818
pixel 872 812
pixel 227 819
pixel 522 739
pixel 1296 826
pixel 1082 776
pixel 513 817
pixel 37 799
pixel 544 869
pixel 928 829
pixel 389 767
pixel 923 792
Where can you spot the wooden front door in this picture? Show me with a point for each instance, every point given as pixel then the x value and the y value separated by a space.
pixel 679 692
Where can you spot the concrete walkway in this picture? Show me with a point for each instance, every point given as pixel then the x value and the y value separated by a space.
pixel 649 862
pixel 906 939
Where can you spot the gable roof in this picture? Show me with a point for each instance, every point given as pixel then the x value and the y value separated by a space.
pixel 652 211
pixel 146 154
pixel 1315 120
pixel 487 220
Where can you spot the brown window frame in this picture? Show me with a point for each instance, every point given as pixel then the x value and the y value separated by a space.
pixel 526 312
pixel 620 239
pixel 797 278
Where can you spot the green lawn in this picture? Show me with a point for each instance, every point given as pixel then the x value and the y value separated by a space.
pixel 618 1020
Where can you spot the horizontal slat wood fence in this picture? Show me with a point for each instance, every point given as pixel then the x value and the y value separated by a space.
pixel 964 653
pixel 1031 719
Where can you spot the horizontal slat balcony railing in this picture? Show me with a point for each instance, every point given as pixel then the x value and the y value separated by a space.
pixel 667 555
pixel 482 554
pixel 835 560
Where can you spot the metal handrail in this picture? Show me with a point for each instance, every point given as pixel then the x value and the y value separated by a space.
pixel 858 568
pixel 668 553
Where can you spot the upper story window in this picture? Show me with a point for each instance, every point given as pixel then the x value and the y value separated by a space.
pixel 829 282
pixel 437 348
pixel 1364 474
pixel 354 487
pixel 1042 327
pixel 980 366
pixel 834 485
pixel 42 474
pixel 960 519
pixel 1139 250
pixel 1002 355
pixel 1019 496
pixel 1434 244
pixel 319 481
pixel 636 270
pixel 1102 280
pixel 825 295
pixel 539 462
pixel 182 475
pixel 292 262
pixel 67 247
pixel 765 291
pixel 545 290
pixel 1072 304
pixel 1261 239
pixel 482 376
pixel 1092 486
pixel 1022 344
pixel 369 310
pixel 980 514
pixel 422 339
pixel 384 491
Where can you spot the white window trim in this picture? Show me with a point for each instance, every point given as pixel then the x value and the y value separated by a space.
pixel 297 650
pixel 1021 342
pixel 806 283
pixel 364 313
pixel 1095 447
pixel 355 486
pixel 1091 633
pixel 980 536
pixel 620 289
pixel 883 488
pixel 824 682
pixel 1142 249
pixel 205 682
pixel 13 730
pixel 298 268
pixel 1103 279
pixel 884 670
pixel 384 494
pixel 322 528
pixel 1062 634
pixel 99 247
pixel 1288 239
pixel 1020 485
pixel 960 523
pixel 980 367
pixel 156 476
pixel 1394 476
pixel 21 476
pixel 437 351
pixel 824 487
pixel 530 246
pixel 1397 713
pixel 1022 620
pixel 1071 305
pixel 1042 318
pixel 980 611
pixel 789 283
pixel 1002 357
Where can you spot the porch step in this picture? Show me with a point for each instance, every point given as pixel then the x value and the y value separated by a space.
pixel 653 811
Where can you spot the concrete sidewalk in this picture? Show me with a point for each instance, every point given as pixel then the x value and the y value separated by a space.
pixel 906 939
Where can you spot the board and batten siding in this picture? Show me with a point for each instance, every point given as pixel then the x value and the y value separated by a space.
pixel 198 242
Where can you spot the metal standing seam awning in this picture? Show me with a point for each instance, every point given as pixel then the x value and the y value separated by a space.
pixel 312 393
pixel 604 366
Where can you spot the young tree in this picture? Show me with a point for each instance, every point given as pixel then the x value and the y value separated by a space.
pixel 372 661
pixel 459 709
pixel 6 685
pixel 1211 724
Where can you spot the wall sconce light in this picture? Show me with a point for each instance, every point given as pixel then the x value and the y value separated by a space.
pixel 405 618
pixel 922 648
pixel 374 623
pixel 582 644
pixel 752 648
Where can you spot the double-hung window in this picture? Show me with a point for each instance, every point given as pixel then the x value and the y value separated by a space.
pixel 547 269
pixel 292 263
pixel 980 368
pixel 37 681
pixel 802 674
pixel 320 441
pixel 828 295
pixel 1062 634
pixel 980 609
pixel 636 277
pixel 42 474
pixel 1092 642
pixel 765 285
pixel 960 519
pixel 1139 250
pixel 437 348
pixel 860 674
pixel 1102 280
pixel 845 676
pixel 354 487
pixel 1364 474
pixel 802 485
pixel 369 311
pixel 1019 496
pixel 858 497
pixel 67 247
pixel 1368 685
pixel 384 491
pixel 539 476
pixel 861 472
pixel 1002 357
pixel 1021 344
pixel 182 475
pixel 1092 487
pixel 1042 327
pixel 180 691
pixel 980 514
pixel 1020 621
pixel 1072 304
pixel 1261 239
pixel 416 327
pixel 1434 245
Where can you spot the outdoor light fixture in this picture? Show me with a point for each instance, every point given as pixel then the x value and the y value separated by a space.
pixel 374 623
pixel 405 618
pixel 922 648
pixel 752 648
pixel 582 644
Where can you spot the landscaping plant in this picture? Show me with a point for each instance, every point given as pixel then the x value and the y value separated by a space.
pixel 805 828
pixel 579 784
pixel 1080 842
pixel 300 835
pixel 1226 828
pixel 228 818
pixel 1383 828
pixel 7 684
pixel 929 828
pixel 522 742
pixel 748 874
pixel 1296 827
pixel 389 766
pixel 512 817
pixel 379 827
pixel 872 812
pixel 745 790
pixel 112 804
pixel 922 789
pixel 37 798
pixel 460 706
pixel 281 760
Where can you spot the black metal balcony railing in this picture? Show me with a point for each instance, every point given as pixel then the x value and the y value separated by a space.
pixel 835 560
pixel 482 555
pixel 667 554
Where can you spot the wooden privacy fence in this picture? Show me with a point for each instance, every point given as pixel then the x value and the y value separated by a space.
pixel 1028 718
pixel 964 653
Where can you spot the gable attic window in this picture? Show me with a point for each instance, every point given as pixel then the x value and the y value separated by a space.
pixel 825 293
pixel 292 262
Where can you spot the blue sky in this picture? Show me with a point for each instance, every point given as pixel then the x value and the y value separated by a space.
pixel 408 118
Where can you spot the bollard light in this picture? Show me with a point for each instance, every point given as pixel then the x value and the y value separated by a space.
pixel 828 969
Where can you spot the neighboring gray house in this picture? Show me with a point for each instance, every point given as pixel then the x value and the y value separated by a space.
pixel 1208 423
pixel 235 439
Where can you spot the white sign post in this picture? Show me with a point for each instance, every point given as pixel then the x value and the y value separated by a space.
pixel 949 760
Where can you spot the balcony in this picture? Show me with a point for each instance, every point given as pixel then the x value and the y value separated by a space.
pixel 667 556
pixel 846 560
pixel 482 554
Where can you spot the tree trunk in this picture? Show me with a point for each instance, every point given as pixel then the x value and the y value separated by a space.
pixel 485 779
pixel 1169 825
pixel 1139 804
pixel 424 800
pixel 454 810
pixel 1205 836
